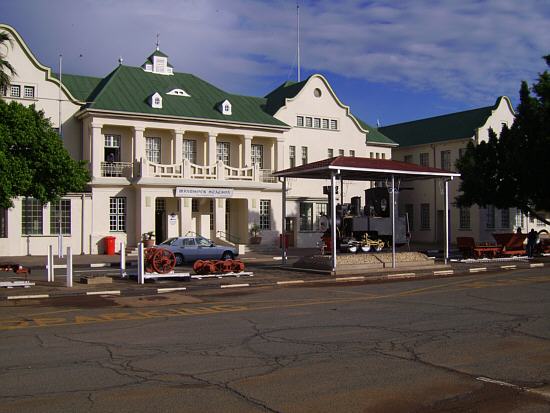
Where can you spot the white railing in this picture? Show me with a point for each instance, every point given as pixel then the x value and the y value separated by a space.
pixel 219 171
pixel 117 169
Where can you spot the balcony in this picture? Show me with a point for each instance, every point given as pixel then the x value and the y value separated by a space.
pixel 218 171
pixel 117 169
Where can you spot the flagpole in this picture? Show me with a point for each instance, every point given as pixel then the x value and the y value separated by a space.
pixel 298 36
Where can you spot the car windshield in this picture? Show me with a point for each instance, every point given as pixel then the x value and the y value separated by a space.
pixel 203 242
pixel 169 241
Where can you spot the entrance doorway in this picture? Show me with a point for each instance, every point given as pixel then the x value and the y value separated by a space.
pixel 160 220
pixel 290 228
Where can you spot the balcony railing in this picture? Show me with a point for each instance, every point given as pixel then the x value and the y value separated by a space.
pixel 219 171
pixel 117 169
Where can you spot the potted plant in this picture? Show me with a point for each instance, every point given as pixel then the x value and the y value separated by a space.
pixel 148 239
pixel 255 231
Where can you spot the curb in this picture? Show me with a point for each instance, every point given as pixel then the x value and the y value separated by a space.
pixel 133 292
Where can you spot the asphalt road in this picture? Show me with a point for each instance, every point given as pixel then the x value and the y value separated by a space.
pixel 466 344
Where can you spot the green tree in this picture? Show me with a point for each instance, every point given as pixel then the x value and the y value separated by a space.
pixel 5 66
pixel 512 170
pixel 33 161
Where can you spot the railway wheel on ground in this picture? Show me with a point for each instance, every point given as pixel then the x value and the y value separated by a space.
pixel 163 261
pixel 148 254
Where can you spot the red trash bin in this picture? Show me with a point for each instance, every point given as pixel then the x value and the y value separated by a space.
pixel 109 244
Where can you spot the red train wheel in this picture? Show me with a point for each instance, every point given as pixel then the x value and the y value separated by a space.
pixel 209 267
pixel 163 261
pixel 238 266
pixel 148 254
pixel 198 266
pixel 227 266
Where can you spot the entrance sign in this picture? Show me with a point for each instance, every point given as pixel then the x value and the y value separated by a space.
pixel 184 192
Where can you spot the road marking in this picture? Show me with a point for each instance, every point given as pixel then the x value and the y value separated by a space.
pixel 444 272
pixel 111 292
pixel 103 264
pixel 169 290
pixel 290 282
pixel 478 269
pixel 539 264
pixel 23 297
pixel 350 279
pixel 508 267
pixel 234 285
pixel 404 274
pixel 500 383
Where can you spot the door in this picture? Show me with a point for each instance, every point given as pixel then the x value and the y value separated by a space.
pixel 290 230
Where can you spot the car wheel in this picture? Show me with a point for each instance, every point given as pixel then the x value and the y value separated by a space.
pixel 227 255
pixel 179 259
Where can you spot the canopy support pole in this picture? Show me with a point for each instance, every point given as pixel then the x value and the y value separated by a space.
pixel 333 218
pixel 446 240
pixel 393 261
pixel 283 241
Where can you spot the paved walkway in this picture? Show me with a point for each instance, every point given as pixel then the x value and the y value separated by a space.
pixel 267 271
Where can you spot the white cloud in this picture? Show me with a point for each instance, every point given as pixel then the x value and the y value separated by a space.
pixel 468 50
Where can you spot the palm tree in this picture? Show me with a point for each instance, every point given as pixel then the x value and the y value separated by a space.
pixel 5 66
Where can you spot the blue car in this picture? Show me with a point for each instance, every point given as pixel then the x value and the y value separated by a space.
pixel 190 249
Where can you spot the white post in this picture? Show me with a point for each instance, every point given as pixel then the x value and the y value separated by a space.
pixel 446 244
pixel 333 218
pixel 141 264
pixel 69 267
pixel 393 264
pixel 60 245
pixel 50 263
pixel 284 222
pixel 122 261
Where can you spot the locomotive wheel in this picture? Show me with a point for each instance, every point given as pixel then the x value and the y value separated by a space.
pixel 238 266
pixel 380 246
pixel 163 261
pixel 198 266
pixel 227 266
pixel 365 248
pixel 148 254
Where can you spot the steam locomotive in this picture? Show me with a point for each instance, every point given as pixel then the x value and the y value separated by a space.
pixel 369 227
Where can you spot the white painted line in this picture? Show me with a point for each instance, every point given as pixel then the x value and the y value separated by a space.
pixel 234 285
pixel 350 279
pixel 290 282
pixel 479 269
pixel 111 292
pixel 169 290
pixel 508 267
pixel 539 264
pixel 277 258
pixel 444 272
pixel 500 383
pixel 60 266
pixel 102 264
pixel 23 297
pixel 404 274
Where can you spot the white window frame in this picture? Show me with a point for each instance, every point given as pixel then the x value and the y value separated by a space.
pixel 465 221
pixel 304 155
pixel 28 92
pixel 63 207
pixel 330 153
pixel 333 124
pixel 424 217
pixel 189 150
pixel 223 152
pixel 446 160
pixel 117 214
pixel 265 214
pixel 300 121
pixel 257 155
pixel 32 217
pixel 292 156
pixel 16 89
pixel 153 149
pixel 424 159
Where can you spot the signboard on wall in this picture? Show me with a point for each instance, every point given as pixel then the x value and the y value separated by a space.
pixel 195 192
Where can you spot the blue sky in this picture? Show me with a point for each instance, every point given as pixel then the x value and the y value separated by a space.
pixel 388 60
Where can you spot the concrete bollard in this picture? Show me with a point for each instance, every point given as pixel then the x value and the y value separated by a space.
pixel 69 267
pixel 123 273
pixel 141 264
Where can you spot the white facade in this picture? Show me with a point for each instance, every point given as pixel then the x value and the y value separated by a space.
pixel 140 162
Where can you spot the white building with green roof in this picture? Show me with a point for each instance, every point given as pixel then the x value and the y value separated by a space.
pixel 170 153
pixel 439 142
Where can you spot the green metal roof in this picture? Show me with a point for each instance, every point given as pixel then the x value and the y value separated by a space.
pixel 128 89
pixel 452 126
pixel 374 135
pixel 277 98
pixel 80 86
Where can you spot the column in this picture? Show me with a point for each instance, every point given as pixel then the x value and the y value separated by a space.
pixel 177 155
pixel 279 164
pixel 139 143
pixel 219 217
pixel 247 151
pixel 212 148
pixel 98 149
pixel 185 219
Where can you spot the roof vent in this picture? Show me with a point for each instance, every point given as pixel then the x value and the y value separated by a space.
pixel 178 92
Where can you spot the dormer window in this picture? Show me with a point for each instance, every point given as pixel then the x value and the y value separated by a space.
pixel 178 92
pixel 156 101
pixel 225 107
